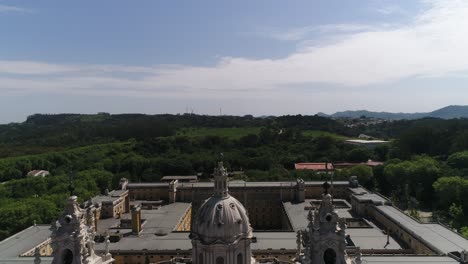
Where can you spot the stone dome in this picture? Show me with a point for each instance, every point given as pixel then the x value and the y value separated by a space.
pixel 221 220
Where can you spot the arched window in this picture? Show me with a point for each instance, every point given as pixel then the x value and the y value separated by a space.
pixel 219 260
pixel 240 259
pixel 329 256
pixel 67 256
pixel 200 258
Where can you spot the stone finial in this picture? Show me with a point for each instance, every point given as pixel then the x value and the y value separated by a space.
pixel 358 256
pixel 107 244
pixel 326 186
pixel 310 216
pixel 123 183
pixel 342 224
pixel 463 256
pixel 90 247
pixel 173 185
pixel 299 244
pixel 53 226
pixel 90 218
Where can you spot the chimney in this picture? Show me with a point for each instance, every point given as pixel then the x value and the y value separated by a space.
pixel 136 219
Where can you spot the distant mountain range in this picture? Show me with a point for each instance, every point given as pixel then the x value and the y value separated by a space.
pixel 448 112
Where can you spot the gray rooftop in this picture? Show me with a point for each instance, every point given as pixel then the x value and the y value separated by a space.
pixel 25 260
pixel 234 184
pixel 181 241
pixel 274 240
pixel 408 259
pixel 437 236
pixel 174 177
pixel 358 190
pixel 103 198
pixel 371 238
pixel 366 238
pixel 117 193
pixel 297 213
pixel 151 242
pixel 12 247
pixel 164 219
pixel 371 197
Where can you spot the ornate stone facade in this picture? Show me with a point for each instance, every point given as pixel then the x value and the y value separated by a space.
pixel 324 240
pixel 73 237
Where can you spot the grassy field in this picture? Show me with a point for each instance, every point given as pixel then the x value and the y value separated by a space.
pixel 317 133
pixel 238 132
pixel 233 132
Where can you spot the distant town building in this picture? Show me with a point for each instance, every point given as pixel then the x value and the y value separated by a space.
pixel 38 173
pixel 364 136
pixel 315 166
pixel 369 163
pixel 366 143
pixel 191 178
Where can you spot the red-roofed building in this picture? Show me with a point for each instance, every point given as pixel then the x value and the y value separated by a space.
pixel 315 166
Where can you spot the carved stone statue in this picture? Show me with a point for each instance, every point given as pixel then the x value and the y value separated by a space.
pixel 107 244
pixel 358 256
pixel 324 240
pixel 299 244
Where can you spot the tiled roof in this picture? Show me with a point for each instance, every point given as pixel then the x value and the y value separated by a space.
pixel 316 166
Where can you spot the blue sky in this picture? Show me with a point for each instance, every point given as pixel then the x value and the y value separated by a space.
pixel 245 57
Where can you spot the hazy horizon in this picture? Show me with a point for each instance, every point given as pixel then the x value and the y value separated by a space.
pixel 189 110
pixel 244 57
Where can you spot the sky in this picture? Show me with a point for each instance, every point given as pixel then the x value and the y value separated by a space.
pixel 264 57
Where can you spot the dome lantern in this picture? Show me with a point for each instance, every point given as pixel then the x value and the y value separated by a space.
pixel 220 181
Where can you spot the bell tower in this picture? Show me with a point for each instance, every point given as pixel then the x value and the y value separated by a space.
pixel 324 240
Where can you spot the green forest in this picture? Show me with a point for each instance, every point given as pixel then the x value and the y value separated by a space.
pixel 426 163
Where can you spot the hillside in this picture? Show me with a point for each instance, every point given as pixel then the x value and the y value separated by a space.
pixel 41 133
pixel 96 151
pixel 449 112
pixel 453 111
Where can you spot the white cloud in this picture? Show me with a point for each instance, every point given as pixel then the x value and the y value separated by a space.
pixel 31 67
pixel 390 10
pixel 434 44
pixel 8 8
pixel 300 33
